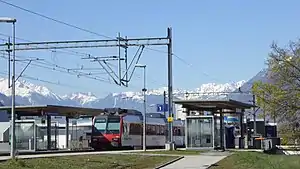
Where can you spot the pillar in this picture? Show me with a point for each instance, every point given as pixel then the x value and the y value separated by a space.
pixel 222 130
pixel 67 132
pixel 48 132
pixel 186 128
pixel 241 140
pixel 34 136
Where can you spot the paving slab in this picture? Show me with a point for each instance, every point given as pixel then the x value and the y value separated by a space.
pixel 195 162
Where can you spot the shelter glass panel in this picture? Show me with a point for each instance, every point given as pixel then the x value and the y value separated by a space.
pixel 200 132
pixel 41 137
pixel 25 138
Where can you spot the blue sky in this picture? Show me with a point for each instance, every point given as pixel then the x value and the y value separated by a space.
pixel 222 41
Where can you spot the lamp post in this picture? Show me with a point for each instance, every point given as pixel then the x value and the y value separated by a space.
pixel 13 138
pixel 145 108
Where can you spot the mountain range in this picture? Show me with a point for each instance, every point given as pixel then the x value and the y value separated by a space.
pixel 31 94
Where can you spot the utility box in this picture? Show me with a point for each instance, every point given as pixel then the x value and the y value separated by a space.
pixel 241 142
pixel 269 144
pixel 255 142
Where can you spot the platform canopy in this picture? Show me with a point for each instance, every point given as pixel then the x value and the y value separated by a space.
pixel 208 105
pixel 53 110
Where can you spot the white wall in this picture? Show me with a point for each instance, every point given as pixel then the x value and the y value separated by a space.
pixel 3 127
pixel 179 111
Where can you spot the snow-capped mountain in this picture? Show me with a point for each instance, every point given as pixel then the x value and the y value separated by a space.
pixel 197 93
pixel 30 94
pixel 4 100
pixel 81 98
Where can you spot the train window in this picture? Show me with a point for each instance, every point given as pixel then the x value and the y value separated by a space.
pixel 157 130
pixel 162 130
pixel 135 129
pixel 179 132
pixel 150 129
pixel 175 131
pixel 153 129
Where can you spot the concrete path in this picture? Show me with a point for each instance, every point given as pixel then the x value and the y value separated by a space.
pixel 195 162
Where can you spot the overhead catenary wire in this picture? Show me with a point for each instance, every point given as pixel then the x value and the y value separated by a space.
pixel 55 67
pixel 42 80
pixel 79 28
pixel 66 51
pixel 55 20
pixel 92 32
pixel 73 53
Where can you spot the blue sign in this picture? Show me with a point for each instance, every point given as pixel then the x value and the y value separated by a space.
pixel 225 118
pixel 162 107
pixel 230 119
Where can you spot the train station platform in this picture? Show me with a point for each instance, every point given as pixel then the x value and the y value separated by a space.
pixel 47 128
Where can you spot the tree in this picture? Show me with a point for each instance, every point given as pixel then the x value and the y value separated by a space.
pixel 280 98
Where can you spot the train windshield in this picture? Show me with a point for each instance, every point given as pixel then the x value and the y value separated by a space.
pixel 113 125
pixel 108 125
pixel 100 125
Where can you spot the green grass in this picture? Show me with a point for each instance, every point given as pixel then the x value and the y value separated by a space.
pixel 120 161
pixel 176 152
pixel 256 160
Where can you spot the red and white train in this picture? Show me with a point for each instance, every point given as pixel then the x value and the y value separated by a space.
pixel 123 128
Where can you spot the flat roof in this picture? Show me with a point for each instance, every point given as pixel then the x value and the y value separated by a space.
pixel 206 105
pixel 53 110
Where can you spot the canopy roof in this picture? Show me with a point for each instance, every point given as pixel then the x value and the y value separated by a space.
pixel 53 110
pixel 207 105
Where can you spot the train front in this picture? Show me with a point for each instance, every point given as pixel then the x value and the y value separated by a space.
pixel 106 132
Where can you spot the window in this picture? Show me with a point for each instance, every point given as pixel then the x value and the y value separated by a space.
pixel 162 130
pixel 135 129
pixel 155 129
pixel 100 125
pixel 113 125
pixel 178 131
pixel 148 129
pixel 175 131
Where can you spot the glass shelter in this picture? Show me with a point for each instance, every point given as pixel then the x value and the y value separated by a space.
pixel 47 127
pixel 209 131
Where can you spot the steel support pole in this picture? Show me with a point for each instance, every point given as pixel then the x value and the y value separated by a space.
pixel 254 116
pixel 164 104
pixel 145 111
pixel 170 84
pixel 9 60
pixel 13 125
pixel 119 59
